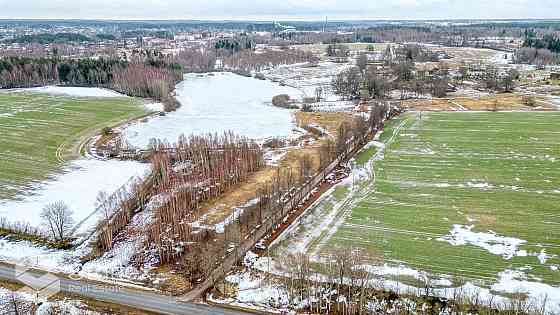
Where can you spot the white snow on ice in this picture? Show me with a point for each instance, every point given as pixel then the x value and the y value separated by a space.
pixel 219 103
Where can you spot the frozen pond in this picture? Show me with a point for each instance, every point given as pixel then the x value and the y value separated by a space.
pixel 218 103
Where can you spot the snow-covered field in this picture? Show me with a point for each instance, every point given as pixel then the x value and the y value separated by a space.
pixel 74 91
pixel 78 186
pixel 79 182
pixel 308 78
pixel 217 103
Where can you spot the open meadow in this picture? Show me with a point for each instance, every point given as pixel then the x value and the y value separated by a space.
pixel 38 132
pixel 469 194
pixel 473 194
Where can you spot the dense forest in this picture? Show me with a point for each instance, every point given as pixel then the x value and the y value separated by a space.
pixel 548 41
pixel 150 78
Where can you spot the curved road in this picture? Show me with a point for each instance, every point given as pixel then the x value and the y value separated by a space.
pixel 113 293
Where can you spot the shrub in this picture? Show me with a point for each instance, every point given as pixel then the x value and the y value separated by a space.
pixel 306 108
pixel 106 131
pixel 170 104
pixel 309 99
pixel 282 100
pixel 529 101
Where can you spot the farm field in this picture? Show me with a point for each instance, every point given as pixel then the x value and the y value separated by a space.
pixel 475 195
pixel 38 132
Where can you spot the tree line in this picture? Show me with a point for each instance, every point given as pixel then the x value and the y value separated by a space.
pixel 153 78
pixel 48 38
pixel 548 41
pixel 341 283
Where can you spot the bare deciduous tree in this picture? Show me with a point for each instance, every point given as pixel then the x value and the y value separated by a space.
pixel 362 62
pixel 58 218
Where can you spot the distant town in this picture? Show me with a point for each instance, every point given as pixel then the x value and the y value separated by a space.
pixel 405 167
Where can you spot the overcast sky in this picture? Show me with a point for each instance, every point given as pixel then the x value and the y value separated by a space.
pixel 278 9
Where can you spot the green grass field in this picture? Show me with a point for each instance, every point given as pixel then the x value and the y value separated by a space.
pixel 496 172
pixel 38 132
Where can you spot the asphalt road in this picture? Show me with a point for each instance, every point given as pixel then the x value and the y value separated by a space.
pixel 112 293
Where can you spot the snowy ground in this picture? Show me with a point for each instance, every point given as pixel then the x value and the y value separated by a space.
pixel 78 186
pixel 25 305
pixel 241 100
pixel 117 263
pixel 255 290
pixel 74 91
pixel 218 103
pixel 307 79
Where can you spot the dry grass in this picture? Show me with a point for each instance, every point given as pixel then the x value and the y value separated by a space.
pixel 10 285
pixel 329 121
pixel 216 210
pixel 499 102
pixel 466 55
pixel 486 220
pixel 432 105
pixel 174 283
pixel 504 101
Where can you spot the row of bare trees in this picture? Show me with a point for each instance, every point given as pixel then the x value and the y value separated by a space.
pixel 197 59
pixel 190 172
pixel 200 168
pixel 342 282
pixel 118 208
pixel 250 60
pixel 145 81
pixel 286 191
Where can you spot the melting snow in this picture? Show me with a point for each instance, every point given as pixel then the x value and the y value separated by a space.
pixel 75 91
pixel 78 186
pixel 511 281
pixel 237 212
pixel 543 257
pixel 490 241
pixel 479 185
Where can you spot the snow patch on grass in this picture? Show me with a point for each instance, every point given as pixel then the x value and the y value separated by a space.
pixel 28 254
pixel 504 246
pixel 512 281
pixel 74 91
pixel 237 212
pixel 154 107
pixel 481 185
